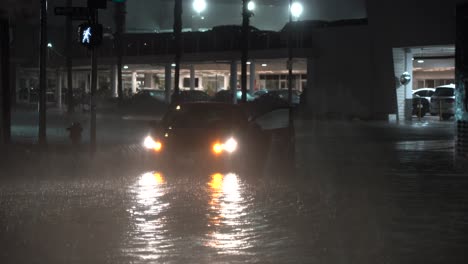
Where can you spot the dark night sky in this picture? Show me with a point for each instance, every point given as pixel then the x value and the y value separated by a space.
pixel 150 15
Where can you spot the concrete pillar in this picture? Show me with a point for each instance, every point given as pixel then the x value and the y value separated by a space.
pixel 252 77
pixel 402 62
pixel 226 82
pixel 134 82
pixel 113 82
pixel 27 83
pixel 59 89
pixel 149 81
pixel 233 81
pixel 192 77
pixel 87 82
pixel 167 82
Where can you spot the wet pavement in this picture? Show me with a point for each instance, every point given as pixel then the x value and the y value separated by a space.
pixel 362 192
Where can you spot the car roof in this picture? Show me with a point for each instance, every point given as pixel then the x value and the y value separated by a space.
pixel 423 89
pixel 447 86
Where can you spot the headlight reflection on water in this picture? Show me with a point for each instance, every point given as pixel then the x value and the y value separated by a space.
pixel 149 238
pixel 228 209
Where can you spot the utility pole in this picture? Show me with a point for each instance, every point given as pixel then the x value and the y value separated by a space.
pixel 120 27
pixel 5 80
pixel 246 14
pixel 178 45
pixel 69 61
pixel 43 75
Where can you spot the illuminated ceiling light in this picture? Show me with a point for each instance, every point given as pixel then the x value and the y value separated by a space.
pixel 420 61
pixel 297 9
pixel 264 65
pixel 199 6
pixel 125 67
pixel 251 6
pixel 173 64
pixel 49 45
pixel 248 63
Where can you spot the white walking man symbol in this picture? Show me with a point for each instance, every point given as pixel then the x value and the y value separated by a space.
pixel 86 36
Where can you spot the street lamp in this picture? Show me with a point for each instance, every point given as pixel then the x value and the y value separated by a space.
pixel 296 9
pixel 199 6
pixel 49 45
pixel 251 6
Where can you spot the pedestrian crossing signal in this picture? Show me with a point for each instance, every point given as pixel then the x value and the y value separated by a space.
pixel 90 35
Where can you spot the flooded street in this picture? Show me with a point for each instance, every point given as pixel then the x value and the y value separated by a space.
pixel 349 201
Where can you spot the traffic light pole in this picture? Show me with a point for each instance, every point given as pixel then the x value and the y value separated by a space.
pixel 69 62
pixel 94 19
pixel 43 76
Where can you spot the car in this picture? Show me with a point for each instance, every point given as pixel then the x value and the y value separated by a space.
pixel 225 96
pixel 281 94
pixel 443 101
pixel 192 96
pixel 424 93
pixel 217 136
pixel 259 93
pixel 420 106
pixel 159 95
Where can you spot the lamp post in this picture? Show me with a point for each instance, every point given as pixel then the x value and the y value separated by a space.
pixel 43 75
pixel 247 12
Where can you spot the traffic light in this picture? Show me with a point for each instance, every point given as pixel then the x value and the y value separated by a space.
pixel 101 4
pixel 90 35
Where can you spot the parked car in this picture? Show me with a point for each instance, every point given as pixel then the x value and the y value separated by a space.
pixel 225 96
pixel 160 95
pixel 443 101
pixel 260 92
pixel 193 96
pixel 281 94
pixel 424 93
pixel 420 106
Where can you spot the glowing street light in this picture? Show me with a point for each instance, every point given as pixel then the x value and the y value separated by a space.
pixel 49 45
pixel 251 6
pixel 199 6
pixel 296 9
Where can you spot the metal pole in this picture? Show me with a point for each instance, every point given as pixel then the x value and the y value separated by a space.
pixel 178 45
pixel 120 24
pixel 43 75
pixel 94 14
pixel 245 49
pixel 5 80
pixel 290 56
pixel 69 61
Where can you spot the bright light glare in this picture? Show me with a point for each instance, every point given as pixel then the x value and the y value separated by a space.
pixel 151 179
pixel 173 64
pixel 420 61
pixel 177 107
pixel 149 143
pixel 125 67
pixel 217 148
pixel 230 145
pixel 251 6
pixel 49 45
pixel 199 5
pixel 297 9
pixel 264 65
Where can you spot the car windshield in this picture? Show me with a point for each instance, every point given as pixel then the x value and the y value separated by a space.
pixel 204 116
pixel 444 92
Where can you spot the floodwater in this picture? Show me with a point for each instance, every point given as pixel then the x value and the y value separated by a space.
pixel 348 201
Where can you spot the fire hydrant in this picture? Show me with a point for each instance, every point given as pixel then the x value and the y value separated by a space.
pixel 75 131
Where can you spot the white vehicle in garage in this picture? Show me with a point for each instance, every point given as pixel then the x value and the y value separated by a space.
pixel 443 101
pixel 424 93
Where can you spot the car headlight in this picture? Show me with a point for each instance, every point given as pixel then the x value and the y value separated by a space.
pixel 229 146
pixel 150 143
